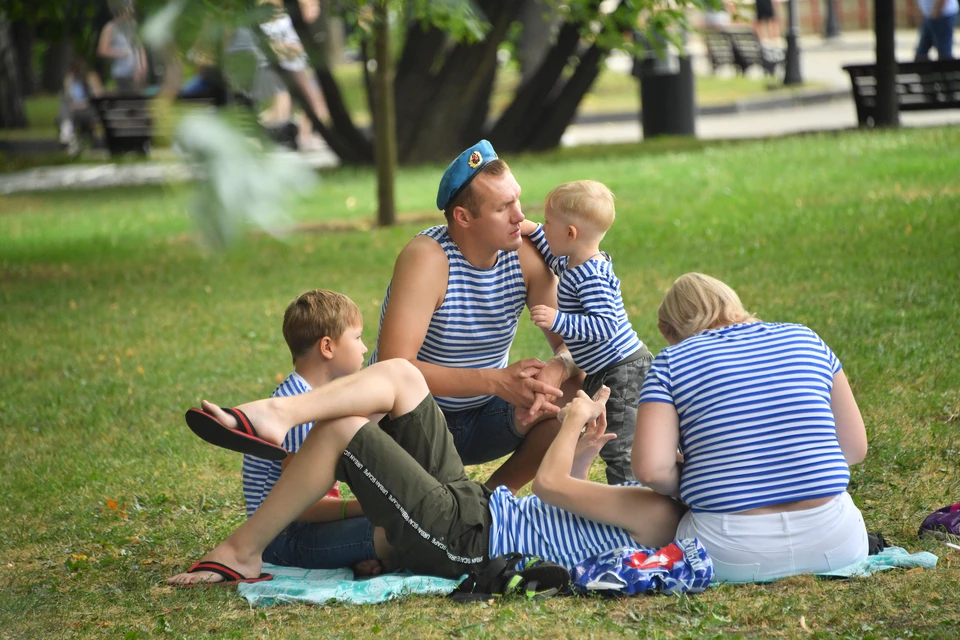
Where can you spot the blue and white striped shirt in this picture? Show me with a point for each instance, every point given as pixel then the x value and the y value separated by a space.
pixel 477 321
pixel 260 475
pixel 590 317
pixel 529 525
pixel 756 427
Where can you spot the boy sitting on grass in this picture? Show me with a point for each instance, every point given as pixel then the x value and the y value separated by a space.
pixel 323 331
pixel 591 318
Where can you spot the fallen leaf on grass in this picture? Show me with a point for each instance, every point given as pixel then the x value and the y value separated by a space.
pixel 112 504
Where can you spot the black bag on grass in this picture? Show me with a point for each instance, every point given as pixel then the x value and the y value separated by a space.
pixel 535 579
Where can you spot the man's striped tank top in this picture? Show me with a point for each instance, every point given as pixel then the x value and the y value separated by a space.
pixel 477 321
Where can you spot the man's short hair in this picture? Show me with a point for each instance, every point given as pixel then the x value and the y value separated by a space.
pixel 469 199
pixel 584 202
pixel 317 314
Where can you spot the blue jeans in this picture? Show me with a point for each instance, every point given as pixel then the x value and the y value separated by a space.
pixel 485 433
pixel 938 33
pixel 322 545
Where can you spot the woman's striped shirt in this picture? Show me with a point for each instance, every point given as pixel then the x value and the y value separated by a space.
pixel 260 475
pixel 756 426
pixel 477 321
pixel 590 317
pixel 529 525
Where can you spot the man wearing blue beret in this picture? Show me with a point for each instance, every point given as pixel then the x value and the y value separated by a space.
pixel 453 306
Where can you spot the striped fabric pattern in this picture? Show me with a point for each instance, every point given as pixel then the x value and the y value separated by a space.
pixel 259 475
pixel 591 318
pixel 529 525
pixel 477 322
pixel 756 427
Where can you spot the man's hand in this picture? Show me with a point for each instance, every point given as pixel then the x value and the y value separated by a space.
pixel 554 373
pixel 519 384
pixel 543 316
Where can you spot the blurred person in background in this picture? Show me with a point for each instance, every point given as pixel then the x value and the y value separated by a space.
pixel 120 45
pixel 77 116
pixel 936 30
pixel 292 58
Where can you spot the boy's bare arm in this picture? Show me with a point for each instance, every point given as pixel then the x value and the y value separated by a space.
pixel 527 227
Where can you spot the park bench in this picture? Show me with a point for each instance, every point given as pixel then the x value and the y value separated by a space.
pixel 741 48
pixel 127 123
pixel 719 49
pixel 921 86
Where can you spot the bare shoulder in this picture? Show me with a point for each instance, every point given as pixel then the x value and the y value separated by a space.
pixel 421 273
pixel 423 256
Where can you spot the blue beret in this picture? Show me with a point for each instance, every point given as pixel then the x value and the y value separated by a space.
pixel 462 171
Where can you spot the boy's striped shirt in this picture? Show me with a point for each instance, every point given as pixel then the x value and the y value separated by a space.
pixel 590 317
pixel 260 475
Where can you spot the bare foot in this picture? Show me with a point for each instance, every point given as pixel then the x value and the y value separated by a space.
pixel 263 418
pixel 368 568
pixel 224 554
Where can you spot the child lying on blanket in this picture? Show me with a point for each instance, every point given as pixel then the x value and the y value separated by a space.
pixel 406 472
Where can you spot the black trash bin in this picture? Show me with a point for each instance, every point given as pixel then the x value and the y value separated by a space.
pixel 666 94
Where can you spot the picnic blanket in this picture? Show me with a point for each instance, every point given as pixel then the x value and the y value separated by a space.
pixel 888 558
pixel 321 586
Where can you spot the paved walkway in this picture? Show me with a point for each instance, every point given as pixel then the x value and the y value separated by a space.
pixel 821 63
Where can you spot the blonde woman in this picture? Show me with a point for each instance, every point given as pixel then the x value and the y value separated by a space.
pixel 768 428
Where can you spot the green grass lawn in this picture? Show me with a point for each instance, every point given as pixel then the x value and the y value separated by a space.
pixel 114 321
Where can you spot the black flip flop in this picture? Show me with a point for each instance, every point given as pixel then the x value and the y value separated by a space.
pixel 243 439
pixel 229 575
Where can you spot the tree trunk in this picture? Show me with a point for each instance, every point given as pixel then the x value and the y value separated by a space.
pixel 535 41
pixel 384 123
pixel 55 65
pixel 560 112
pixel 475 126
pixel 23 38
pixel 442 94
pixel 513 130
pixel 12 114
pixel 331 25
pixel 888 109
pixel 433 108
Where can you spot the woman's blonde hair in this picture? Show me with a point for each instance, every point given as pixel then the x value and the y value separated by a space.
pixel 697 302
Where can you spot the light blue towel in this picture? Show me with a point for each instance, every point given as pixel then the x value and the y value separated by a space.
pixel 319 586
pixel 889 558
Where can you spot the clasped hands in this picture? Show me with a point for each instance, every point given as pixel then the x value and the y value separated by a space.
pixel 532 386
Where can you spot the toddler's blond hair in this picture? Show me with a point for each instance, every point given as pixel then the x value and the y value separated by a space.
pixel 585 203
